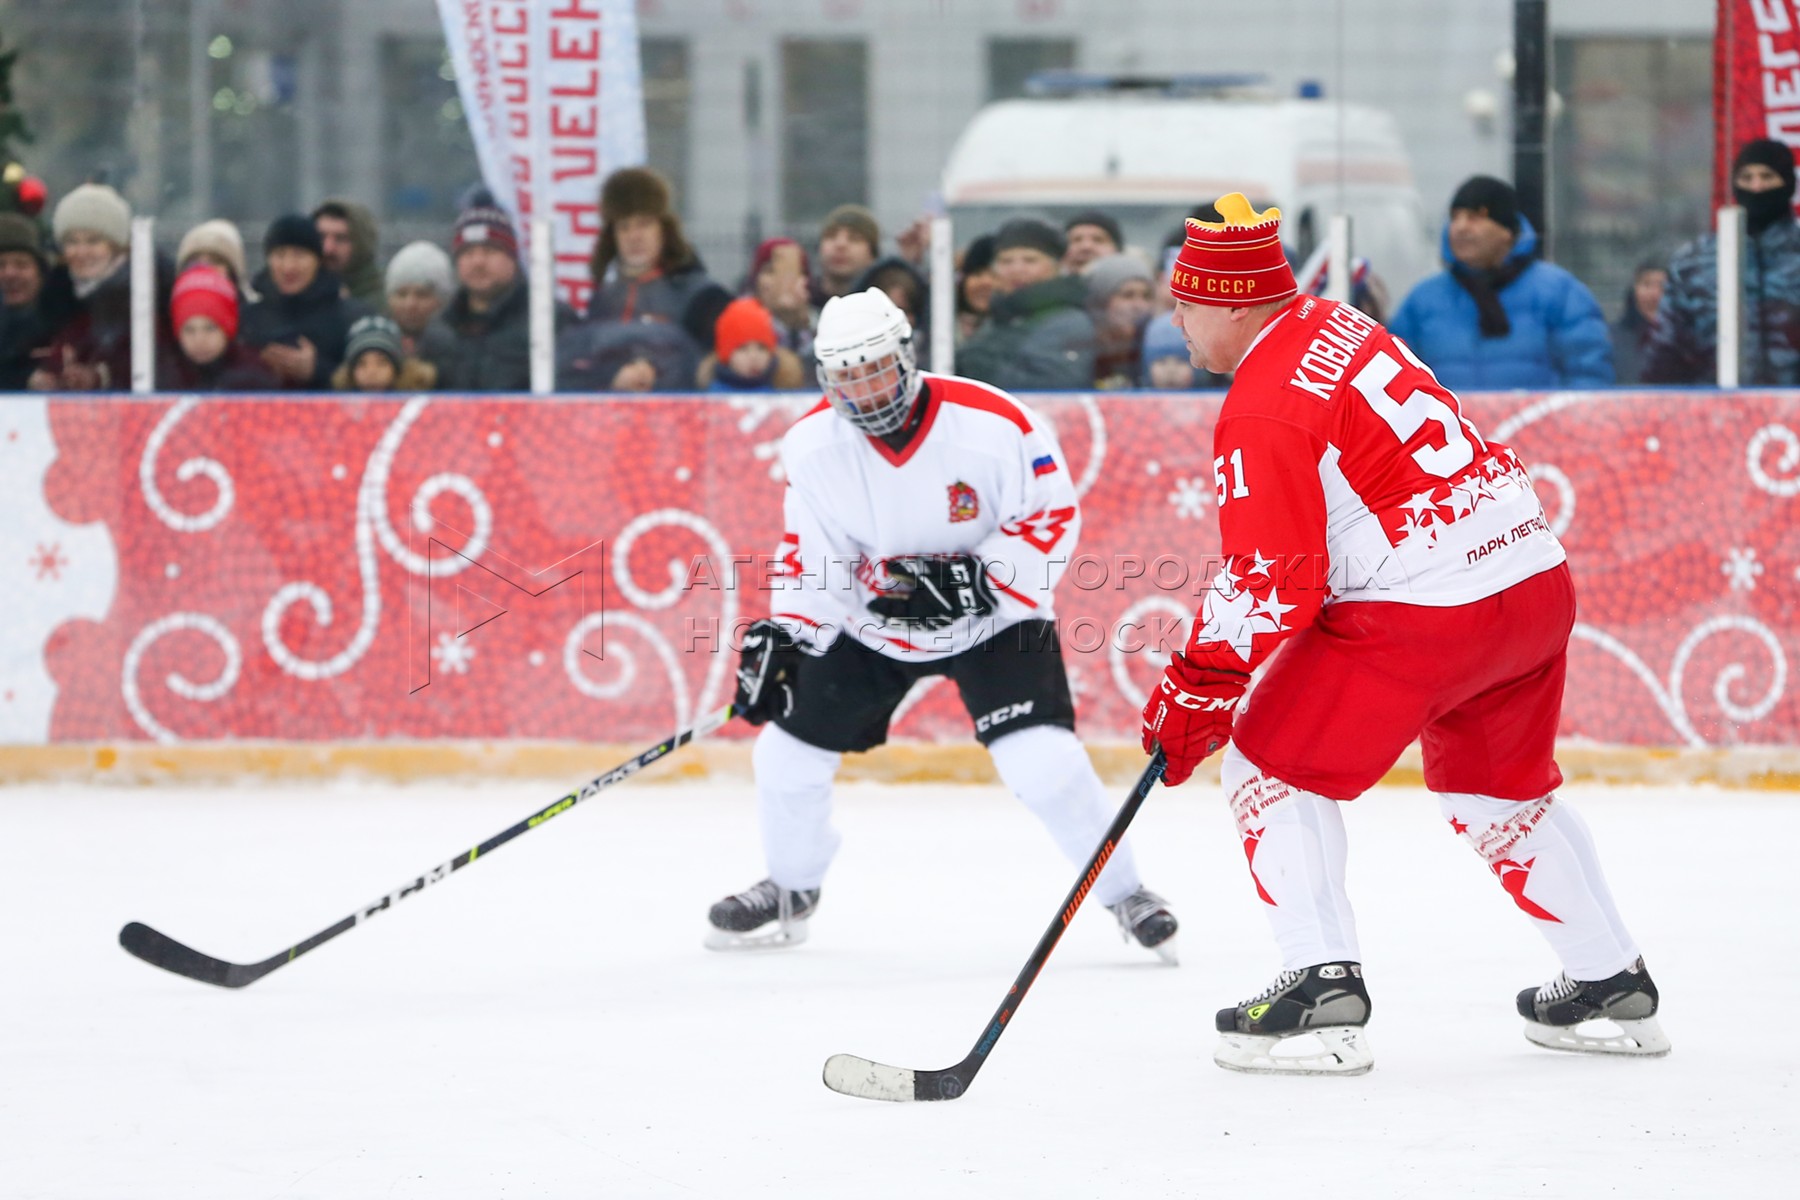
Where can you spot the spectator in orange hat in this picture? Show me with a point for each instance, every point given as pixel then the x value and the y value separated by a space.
pixel 747 354
pixel 206 356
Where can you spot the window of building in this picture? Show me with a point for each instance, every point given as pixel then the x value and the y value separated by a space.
pixel 1011 61
pixel 666 101
pixel 824 127
pixel 1631 155
pixel 428 158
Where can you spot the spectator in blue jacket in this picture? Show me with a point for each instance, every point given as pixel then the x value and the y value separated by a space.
pixel 1497 317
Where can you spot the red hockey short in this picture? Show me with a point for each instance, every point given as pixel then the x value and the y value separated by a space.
pixel 1480 684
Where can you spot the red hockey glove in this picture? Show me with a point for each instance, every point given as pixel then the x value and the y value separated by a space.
pixel 1190 714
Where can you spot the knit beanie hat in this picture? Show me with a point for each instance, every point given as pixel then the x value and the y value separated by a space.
pixel 633 192
pixel 979 256
pixel 93 208
pixel 203 291
pixel 218 238
pixel 1030 233
pixel 421 264
pixel 296 231
pixel 1110 272
pixel 1100 219
pixel 20 233
pixel 766 251
pixel 1498 199
pixel 484 227
pixel 1237 262
pixel 858 220
pixel 744 320
pixel 374 333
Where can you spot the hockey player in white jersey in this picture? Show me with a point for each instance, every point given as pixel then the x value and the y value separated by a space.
pixel 928 520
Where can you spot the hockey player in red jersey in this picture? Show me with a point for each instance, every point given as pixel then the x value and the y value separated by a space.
pixel 928 520
pixel 1408 567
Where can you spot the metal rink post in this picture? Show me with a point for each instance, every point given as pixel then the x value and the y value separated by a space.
pixel 1337 264
pixel 943 297
pixel 143 306
pixel 1731 294
pixel 543 309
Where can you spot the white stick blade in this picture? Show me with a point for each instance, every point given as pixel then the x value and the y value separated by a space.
pixel 855 1076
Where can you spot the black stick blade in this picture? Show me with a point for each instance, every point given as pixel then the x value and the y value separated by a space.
pixel 161 950
pixel 869 1080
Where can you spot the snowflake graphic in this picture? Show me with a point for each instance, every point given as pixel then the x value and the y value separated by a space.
pixel 1190 497
pixel 1741 568
pixel 452 654
pixel 48 562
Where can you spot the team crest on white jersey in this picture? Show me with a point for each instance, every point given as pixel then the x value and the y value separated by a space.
pixel 964 504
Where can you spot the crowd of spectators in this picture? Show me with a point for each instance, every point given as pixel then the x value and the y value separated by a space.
pixel 1039 306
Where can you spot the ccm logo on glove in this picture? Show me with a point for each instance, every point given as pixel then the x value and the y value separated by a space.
pixel 1190 714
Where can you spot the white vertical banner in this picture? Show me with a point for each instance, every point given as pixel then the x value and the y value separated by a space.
pixel 554 94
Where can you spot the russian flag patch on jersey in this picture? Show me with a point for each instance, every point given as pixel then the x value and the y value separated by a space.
pixel 1043 466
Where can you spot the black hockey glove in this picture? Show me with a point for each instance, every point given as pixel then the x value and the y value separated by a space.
pixel 944 589
pixel 768 665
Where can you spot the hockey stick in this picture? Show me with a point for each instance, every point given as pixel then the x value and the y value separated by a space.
pixel 870 1080
pixel 160 950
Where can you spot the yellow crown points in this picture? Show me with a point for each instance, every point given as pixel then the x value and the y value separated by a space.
pixel 1239 213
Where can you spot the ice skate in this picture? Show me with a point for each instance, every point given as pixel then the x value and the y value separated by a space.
pixel 1308 1022
pixel 1144 917
pixel 1606 1016
pixel 762 917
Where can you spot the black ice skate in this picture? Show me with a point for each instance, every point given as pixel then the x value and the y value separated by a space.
pixel 1144 917
pixel 1567 1014
pixel 736 919
pixel 1308 1022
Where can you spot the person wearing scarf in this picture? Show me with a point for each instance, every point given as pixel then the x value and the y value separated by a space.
pixel 1498 317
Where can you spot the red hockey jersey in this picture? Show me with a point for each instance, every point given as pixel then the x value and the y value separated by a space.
pixel 1346 472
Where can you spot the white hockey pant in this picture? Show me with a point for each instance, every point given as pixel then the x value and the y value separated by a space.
pixel 1044 766
pixel 1543 855
pixel 1295 843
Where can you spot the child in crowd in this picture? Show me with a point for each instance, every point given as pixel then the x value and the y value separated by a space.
pixel 1167 366
pixel 207 357
pixel 420 281
pixel 747 355
pixel 376 361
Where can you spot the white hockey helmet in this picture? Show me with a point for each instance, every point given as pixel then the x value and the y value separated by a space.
pixel 866 361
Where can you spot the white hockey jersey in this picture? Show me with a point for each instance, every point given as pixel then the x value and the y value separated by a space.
pixel 982 476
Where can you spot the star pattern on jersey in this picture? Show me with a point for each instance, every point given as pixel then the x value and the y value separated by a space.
pixel 1234 616
pixel 1428 513
pixel 1458 827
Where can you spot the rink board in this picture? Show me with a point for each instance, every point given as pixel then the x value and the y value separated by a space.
pixel 186 571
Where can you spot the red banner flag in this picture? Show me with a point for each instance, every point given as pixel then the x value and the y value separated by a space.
pixel 1756 80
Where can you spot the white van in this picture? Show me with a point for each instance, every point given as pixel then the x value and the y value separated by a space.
pixel 1148 156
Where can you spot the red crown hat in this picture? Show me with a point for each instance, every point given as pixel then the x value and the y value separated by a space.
pixel 1234 263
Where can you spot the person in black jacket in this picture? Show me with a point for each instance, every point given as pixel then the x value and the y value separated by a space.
pixel 206 355
pixel 24 268
pixel 489 317
pixel 301 321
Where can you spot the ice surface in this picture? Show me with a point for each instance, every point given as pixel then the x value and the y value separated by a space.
pixel 546 1023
